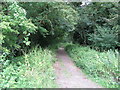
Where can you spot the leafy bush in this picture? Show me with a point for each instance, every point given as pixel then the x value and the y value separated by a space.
pixel 102 67
pixel 104 38
pixel 33 70
pixel 105 15
pixel 15 27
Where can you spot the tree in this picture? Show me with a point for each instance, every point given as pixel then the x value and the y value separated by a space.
pixel 104 15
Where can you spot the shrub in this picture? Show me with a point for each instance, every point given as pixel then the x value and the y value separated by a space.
pixel 15 28
pixel 104 38
pixel 33 70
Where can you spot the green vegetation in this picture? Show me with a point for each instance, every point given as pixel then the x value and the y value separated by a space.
pixel 54 21
pixel 22 27
pixel 102 67
pixel 98 25
pixel 105 38
pixel 32 70
pixel 48 25
pixel 15 28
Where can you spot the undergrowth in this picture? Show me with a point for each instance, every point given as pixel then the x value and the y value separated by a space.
pixel 32 70
pixel 101 67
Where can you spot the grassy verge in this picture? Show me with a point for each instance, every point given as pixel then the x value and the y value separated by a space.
pixel 32 70
pixel 101 67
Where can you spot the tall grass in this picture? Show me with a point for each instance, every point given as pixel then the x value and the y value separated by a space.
pixel 100 66
pixel 32 70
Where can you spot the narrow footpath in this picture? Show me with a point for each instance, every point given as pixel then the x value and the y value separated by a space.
pixel 68 75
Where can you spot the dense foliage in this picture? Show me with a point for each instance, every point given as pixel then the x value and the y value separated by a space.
pixel 102 67
pixel 32 70
pixel 98 25
pixel 104 38
pixel 54 20
pixel 23 25
pixel 15 28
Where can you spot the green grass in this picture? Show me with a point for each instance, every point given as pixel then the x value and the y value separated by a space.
pixel 101 67
pixel 32 70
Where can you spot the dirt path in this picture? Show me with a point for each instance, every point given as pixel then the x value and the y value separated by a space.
pixel 68 75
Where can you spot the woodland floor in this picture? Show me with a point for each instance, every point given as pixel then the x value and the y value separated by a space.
pixel 68 75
